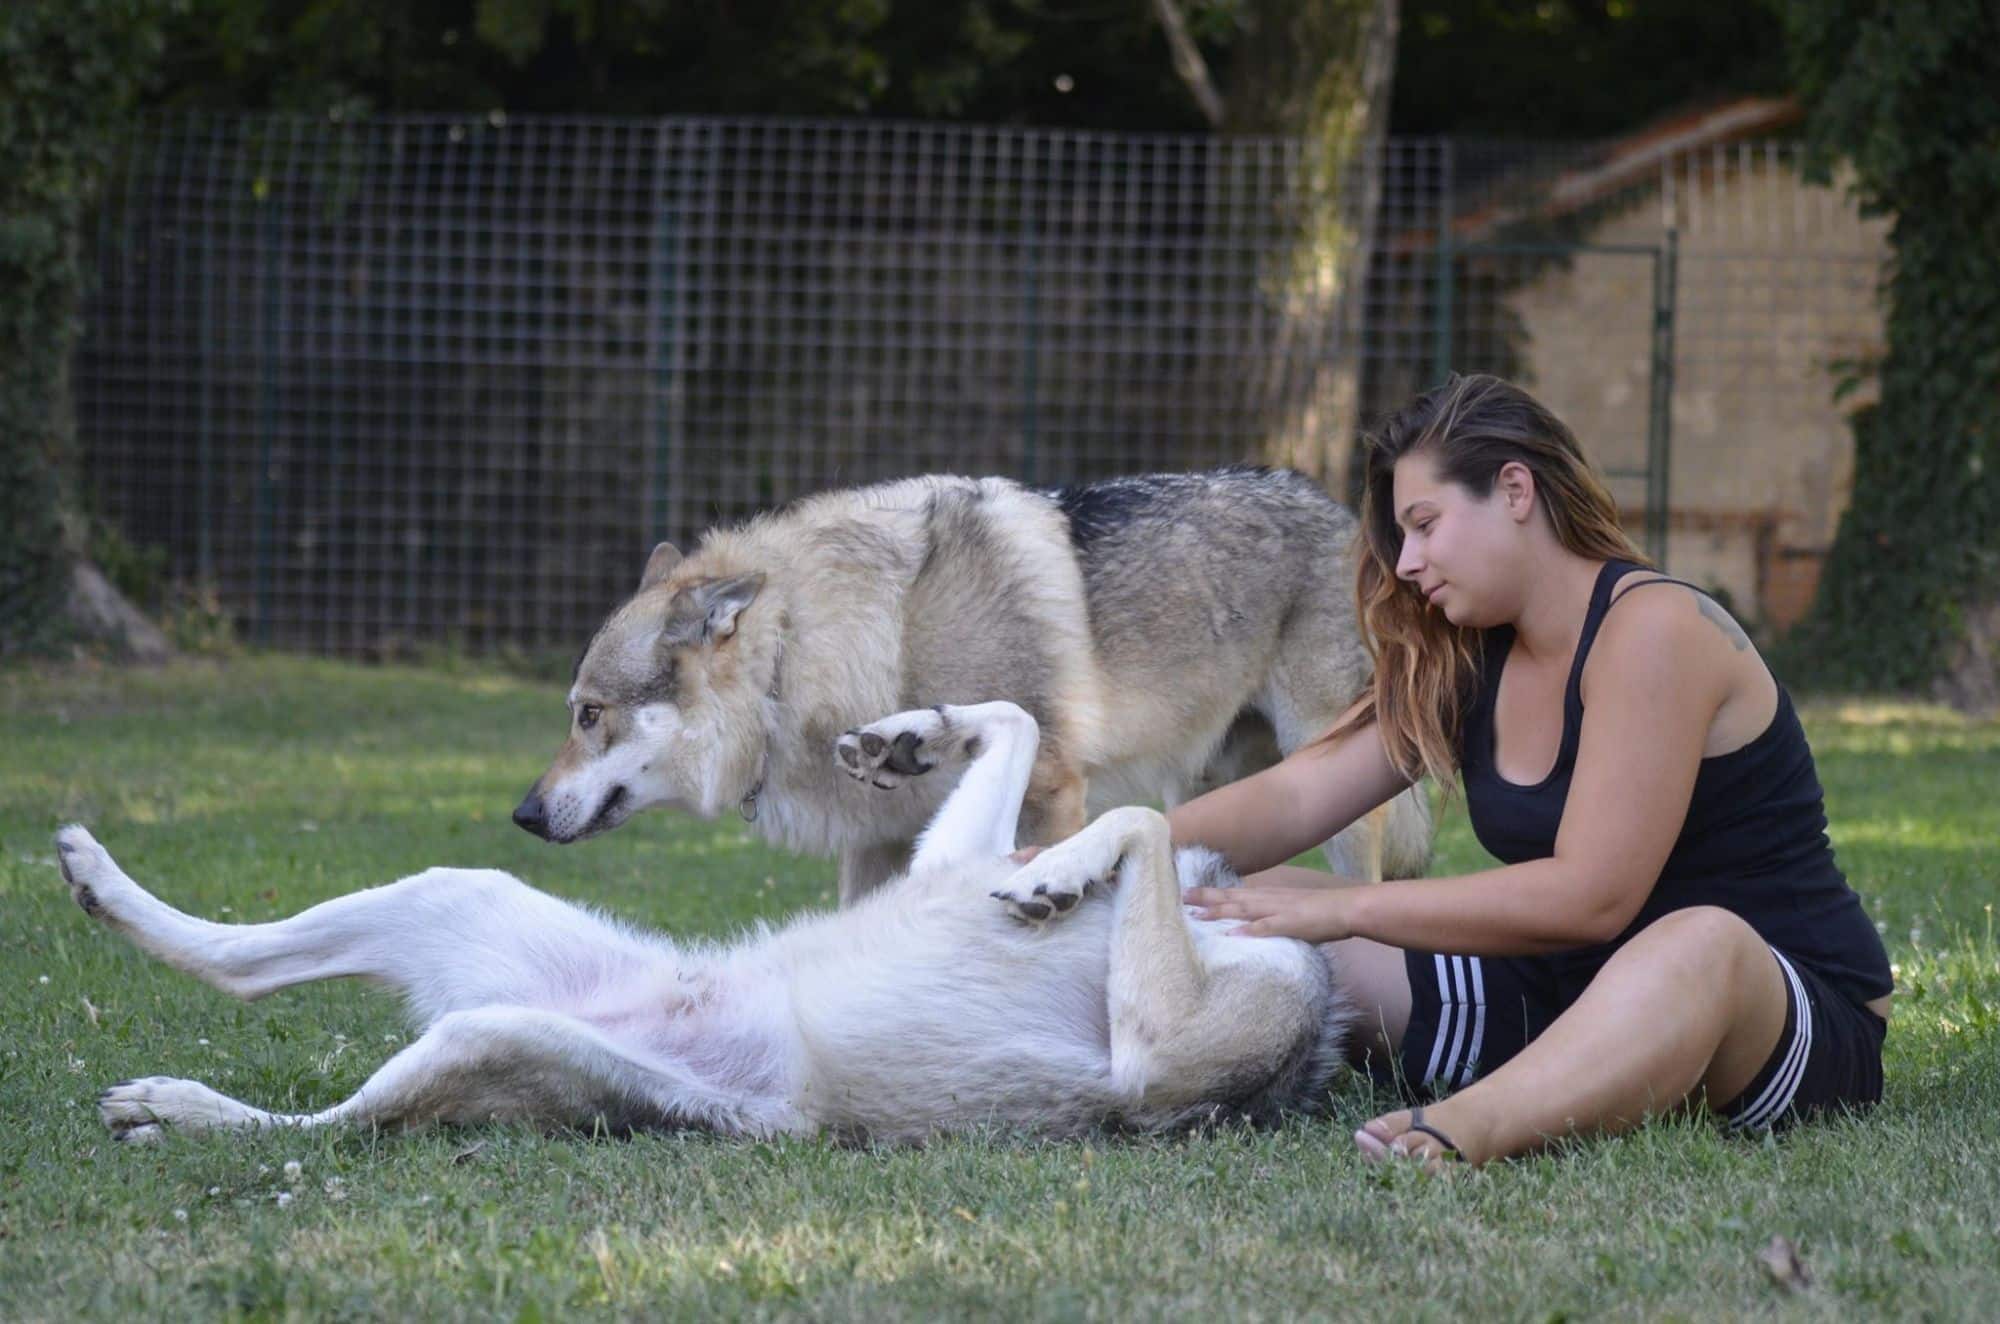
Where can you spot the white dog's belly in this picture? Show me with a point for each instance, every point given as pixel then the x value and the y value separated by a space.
pixel 957 1018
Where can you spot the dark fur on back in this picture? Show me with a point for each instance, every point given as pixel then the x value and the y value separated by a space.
pixel 1097 510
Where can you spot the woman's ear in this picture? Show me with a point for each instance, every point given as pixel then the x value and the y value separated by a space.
pixel 1516 484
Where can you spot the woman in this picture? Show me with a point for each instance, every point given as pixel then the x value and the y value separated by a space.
pixel 1669 925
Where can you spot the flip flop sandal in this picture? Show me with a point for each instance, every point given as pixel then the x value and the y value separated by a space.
pixel 1377 1150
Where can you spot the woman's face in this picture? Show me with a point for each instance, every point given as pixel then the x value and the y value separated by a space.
pixel 1461 551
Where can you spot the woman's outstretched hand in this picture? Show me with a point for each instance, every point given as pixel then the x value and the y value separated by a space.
pixel 1314 914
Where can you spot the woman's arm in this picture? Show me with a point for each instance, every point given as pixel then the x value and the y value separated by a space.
pixel 1292 806
pixel 1656 677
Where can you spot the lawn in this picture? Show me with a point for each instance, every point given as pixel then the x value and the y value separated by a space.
pixel 252 788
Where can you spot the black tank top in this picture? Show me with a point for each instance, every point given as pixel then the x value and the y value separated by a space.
pixel 1754 841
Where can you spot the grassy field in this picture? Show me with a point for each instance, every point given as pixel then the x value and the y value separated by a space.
pixel 250 789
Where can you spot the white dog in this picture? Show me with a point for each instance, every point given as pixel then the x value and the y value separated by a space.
pixel 1072 993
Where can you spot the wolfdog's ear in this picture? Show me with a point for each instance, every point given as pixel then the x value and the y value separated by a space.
pixel 705 612
pixel 660 564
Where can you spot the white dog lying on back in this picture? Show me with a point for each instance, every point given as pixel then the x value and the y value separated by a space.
pixel 969 993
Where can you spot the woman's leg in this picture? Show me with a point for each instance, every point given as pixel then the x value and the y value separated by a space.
pixel 1376 978
pixel 1695 1000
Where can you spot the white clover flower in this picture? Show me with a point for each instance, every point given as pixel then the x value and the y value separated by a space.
pixel 180 1215
pixel 284 1198
pixel 293 1171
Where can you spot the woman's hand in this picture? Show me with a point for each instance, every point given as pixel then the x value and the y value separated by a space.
pixel 1314 914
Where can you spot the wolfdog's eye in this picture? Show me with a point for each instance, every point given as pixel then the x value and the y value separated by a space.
pixel 586 716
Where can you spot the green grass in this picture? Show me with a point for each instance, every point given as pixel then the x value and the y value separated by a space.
pixel 263 785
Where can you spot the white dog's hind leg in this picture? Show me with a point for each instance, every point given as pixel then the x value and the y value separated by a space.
pixel 981 817
pixel 1050 885
pixel 1188 1011
pixel 483 1065
pixel 446 938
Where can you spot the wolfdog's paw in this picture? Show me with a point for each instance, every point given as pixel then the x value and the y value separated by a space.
pixel 140 1110
pixel 1050 886
pixel 87 868
pixel 890 752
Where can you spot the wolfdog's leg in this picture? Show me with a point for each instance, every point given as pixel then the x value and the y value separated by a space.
pixel 865 868
pixel 482 1065
pixel 1391 841
pixel 1187 1009
pixel 981 817
pixel 1058 794
pixel 445 938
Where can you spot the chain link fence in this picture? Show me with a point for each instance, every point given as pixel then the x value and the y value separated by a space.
pixel 424 379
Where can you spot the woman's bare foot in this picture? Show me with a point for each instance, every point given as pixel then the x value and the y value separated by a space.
pixel 1410 1134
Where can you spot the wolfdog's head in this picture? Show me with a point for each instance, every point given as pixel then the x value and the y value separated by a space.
pixel 666 703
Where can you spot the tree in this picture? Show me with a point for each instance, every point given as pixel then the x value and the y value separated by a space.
pixel 1319 71
pixel 1908 97
pixel 73 70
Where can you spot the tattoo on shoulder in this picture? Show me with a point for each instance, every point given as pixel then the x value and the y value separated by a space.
pixel 1722 621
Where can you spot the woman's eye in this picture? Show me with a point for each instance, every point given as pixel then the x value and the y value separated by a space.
pixel 586 716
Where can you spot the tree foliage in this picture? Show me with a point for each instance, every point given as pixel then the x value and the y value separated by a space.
pixel 72 70
pixel 1575 68
pixel 1908 96
pixel 1033 61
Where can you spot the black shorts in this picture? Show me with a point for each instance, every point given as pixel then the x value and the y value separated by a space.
pixel 1469 1014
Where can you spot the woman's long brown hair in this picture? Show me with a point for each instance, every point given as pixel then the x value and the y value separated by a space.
pixel 1471 427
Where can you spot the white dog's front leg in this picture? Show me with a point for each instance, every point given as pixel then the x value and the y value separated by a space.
pixel 981 817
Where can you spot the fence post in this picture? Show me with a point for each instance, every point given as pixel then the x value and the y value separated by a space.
pixel 271 271
pixel 209 275
pixel 1446 272
pixel 660 348
pixel 1660 421
pixel 1030 349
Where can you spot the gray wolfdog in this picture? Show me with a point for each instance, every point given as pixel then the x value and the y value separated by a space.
pixel 1073 993
pixel 1166 632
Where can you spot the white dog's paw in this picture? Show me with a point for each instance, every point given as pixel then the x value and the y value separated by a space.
pixel 1052 884
pixel 890 752
pixel 88 869
pixel 138 1110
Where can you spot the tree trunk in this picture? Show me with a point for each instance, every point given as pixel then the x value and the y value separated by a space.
pixel 1320 71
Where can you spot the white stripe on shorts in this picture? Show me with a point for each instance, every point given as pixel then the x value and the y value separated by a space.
pixel 1471 1062
pixel 1445 1009
pixel 1461 1027
pixel 1777 1094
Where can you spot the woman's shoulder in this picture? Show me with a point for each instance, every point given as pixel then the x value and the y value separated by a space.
pixel 1659 633
pixel 1649 605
